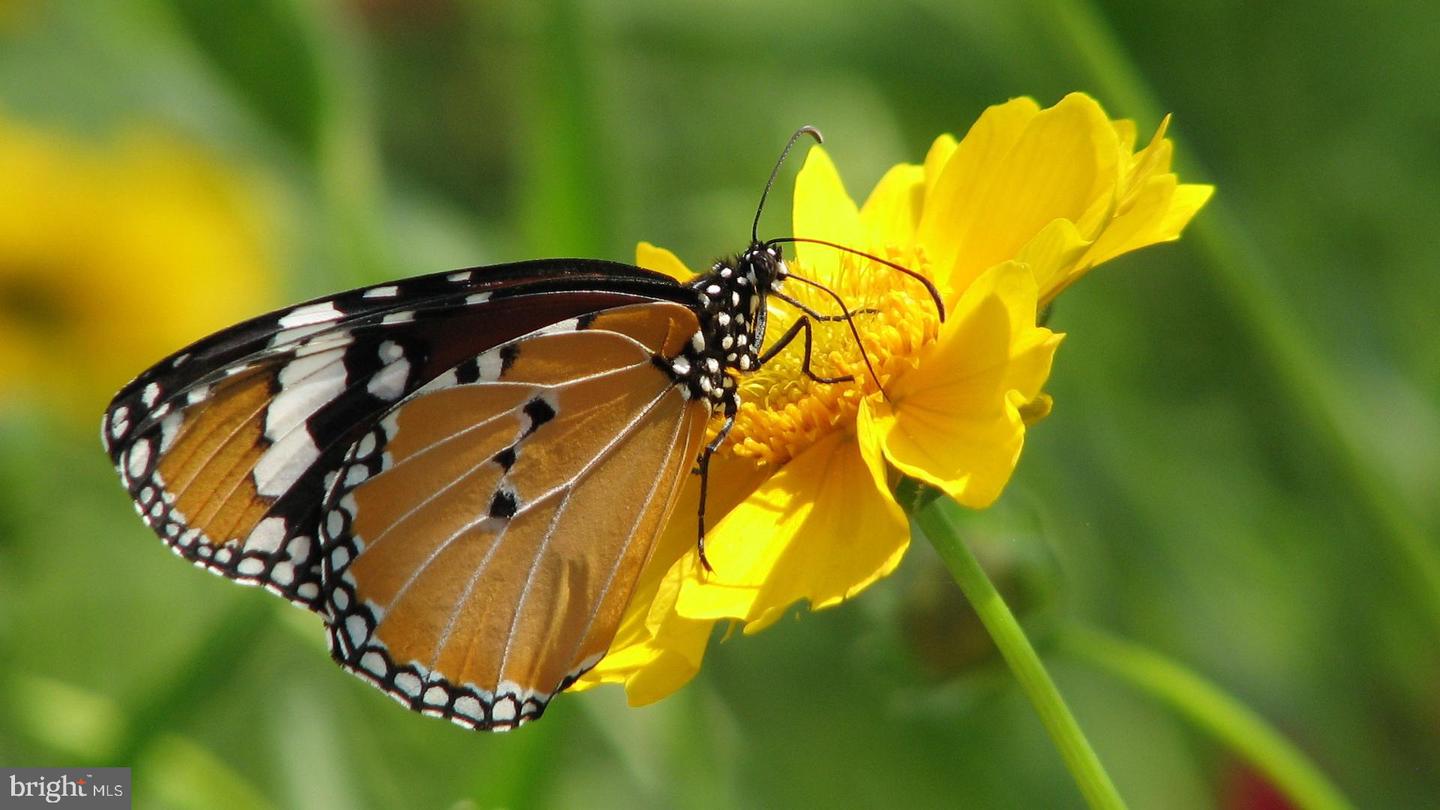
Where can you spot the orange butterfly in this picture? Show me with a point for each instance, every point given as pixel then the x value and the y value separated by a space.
pixel 463 473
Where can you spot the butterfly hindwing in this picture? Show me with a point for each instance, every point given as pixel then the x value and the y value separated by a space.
pixel 482 540
pixel 227 447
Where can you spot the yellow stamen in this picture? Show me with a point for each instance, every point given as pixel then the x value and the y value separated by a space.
pixel 783 411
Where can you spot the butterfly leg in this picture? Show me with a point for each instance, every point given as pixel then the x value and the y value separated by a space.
pixel 703 470
pixel 846 316
pixel 803 324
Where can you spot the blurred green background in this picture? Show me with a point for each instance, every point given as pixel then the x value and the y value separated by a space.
pixel 1240 473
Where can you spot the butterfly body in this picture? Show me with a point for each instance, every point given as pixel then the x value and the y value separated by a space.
pixel 463 474
pixel 731 309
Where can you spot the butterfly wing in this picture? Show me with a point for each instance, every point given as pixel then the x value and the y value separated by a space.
pixel 483 538
pixel 226 446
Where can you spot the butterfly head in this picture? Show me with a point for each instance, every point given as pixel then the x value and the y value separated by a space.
pixel 765 264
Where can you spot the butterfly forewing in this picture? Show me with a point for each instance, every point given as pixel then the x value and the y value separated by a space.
pixel 464 474
pixel 483 539
pixel 228 446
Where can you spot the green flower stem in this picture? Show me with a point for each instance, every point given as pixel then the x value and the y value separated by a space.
pixel 1212 710
pixel 935 520
pixel 1246 278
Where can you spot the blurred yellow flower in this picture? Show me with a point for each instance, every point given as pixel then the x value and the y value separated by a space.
pixel 111 257
pixel 800 503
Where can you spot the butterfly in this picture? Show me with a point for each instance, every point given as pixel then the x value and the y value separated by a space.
pixel 462 473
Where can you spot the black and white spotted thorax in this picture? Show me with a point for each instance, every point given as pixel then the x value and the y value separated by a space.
pixel 731 308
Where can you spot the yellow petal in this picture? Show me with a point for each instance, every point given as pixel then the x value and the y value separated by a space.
pixel 1149 208
pixel 819 530
pixel 1125 134
pixel 1053 255
pixel 892 210
pixel 938 156
pixel 656 650
pixel 823 210
pixel 956 422
pixel 1136 224
pixel 1153 159
pixel 1063 164
pixel 661 260
pixel 952 170
pixel 654 668
pixel 872 452
pixel 1188 200
pixel 1157 212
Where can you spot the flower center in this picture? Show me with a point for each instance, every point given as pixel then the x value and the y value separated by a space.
pixel 783 411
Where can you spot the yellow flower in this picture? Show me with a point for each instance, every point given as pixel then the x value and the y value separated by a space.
pixel 112 257
pixel 800 500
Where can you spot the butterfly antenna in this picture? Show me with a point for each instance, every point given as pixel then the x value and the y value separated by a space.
pixel 929 286
pixel 759 209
